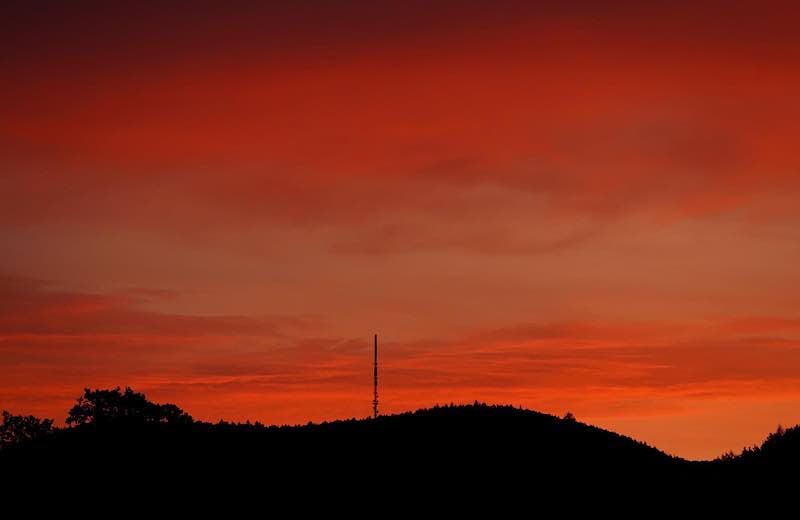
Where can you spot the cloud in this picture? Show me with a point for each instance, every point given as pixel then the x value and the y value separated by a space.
pixel 31 307
pixel 611 121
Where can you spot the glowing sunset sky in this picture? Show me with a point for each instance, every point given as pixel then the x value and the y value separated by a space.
pixel 583 205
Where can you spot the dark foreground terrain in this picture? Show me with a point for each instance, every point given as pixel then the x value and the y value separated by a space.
pixel 473 451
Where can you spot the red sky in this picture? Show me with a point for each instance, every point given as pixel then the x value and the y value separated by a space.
pixel 588 206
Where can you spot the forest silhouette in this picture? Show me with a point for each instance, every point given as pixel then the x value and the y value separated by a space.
pixel 120 433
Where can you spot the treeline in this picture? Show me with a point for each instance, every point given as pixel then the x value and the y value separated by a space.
pixel 98 407
pixel 127 410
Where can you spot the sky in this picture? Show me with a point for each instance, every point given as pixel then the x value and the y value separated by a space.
pixel 569 206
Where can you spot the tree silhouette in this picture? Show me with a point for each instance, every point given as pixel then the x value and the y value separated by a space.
pixel 17 429
pixel 106 406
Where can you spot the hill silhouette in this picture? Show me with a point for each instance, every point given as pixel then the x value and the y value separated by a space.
pixel 491 448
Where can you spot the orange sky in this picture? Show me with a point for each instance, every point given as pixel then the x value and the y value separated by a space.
pixel 578 207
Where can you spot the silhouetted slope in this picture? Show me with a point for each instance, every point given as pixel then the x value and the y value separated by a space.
pixel 476 453
pixel 778 454
pixel 477 444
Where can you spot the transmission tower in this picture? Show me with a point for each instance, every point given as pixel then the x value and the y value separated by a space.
pixel 375 381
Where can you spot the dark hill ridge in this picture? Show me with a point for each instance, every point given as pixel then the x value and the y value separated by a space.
pixel 450 442
pixel 491 448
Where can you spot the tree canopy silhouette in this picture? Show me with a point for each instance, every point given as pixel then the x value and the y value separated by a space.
pixel 17 429
pixel 106 406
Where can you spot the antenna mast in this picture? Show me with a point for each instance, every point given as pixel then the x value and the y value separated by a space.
pixel 375 381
